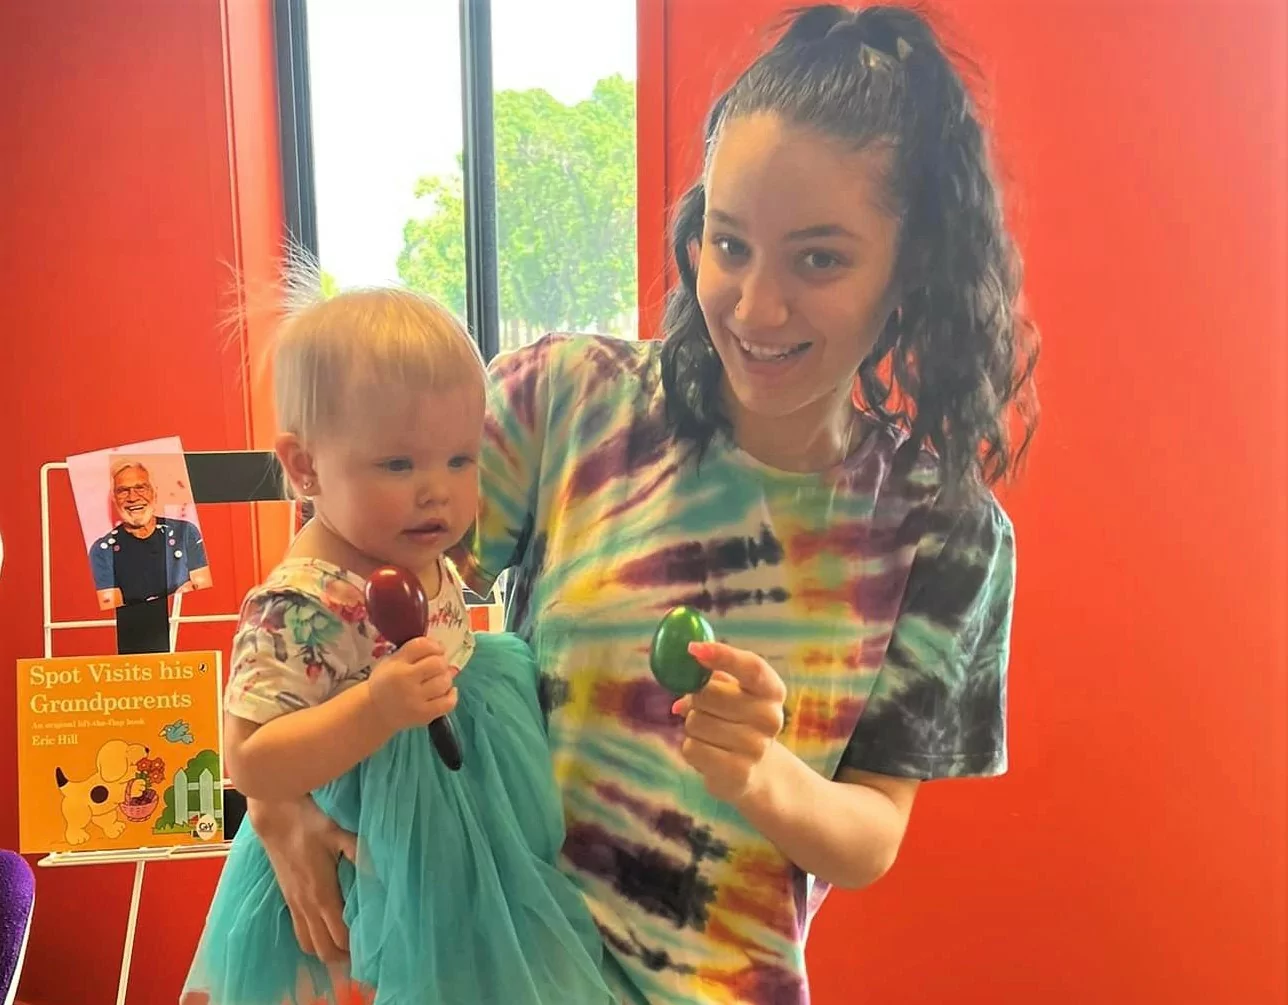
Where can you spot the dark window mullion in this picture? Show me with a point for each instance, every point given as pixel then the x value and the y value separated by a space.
pixel 482 288
pixel 298 185
pixel 296 123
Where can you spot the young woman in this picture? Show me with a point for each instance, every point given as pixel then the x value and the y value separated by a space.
pixel 806 454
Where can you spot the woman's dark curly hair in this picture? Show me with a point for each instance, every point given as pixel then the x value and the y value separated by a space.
pixel 955 363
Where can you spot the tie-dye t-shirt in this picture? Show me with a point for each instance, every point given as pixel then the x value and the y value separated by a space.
pixel 886 612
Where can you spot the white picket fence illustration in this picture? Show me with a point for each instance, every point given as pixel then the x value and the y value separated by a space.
pixel 204 786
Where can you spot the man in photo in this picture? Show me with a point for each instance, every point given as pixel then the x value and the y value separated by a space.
pixel 144 557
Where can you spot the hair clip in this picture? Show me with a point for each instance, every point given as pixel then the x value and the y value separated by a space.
pixel 873 58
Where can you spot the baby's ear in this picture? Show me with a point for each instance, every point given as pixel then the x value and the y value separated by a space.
pixel 297 464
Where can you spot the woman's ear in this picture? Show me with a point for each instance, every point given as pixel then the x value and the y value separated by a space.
pixel 694 249
pixel 297 463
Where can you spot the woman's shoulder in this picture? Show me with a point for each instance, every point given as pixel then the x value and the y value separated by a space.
pixel 967 520
pixel 572 387
pixel 565 358
pixel 912 500
pixel 916 474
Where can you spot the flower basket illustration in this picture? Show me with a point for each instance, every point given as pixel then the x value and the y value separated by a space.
pixel 141 803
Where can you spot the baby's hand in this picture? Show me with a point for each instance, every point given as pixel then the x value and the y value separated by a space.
pixel 413 686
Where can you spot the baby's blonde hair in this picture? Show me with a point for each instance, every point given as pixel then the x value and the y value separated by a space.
pixel 329 352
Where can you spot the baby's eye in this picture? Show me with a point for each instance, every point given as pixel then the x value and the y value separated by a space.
pixel 461 461
pixel 396 464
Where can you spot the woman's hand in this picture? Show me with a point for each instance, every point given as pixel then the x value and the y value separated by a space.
pixel 304 846
pixel 846 832
pixel 731 724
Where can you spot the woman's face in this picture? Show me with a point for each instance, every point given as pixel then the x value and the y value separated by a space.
pixel 795 270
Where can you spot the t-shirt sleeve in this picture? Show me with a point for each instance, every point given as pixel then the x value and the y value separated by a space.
pixel 196 547
pixel 938 706
pixel 100 563
pixel 290 651
pixel 518 410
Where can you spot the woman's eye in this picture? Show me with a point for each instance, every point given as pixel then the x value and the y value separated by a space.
pixel 821 261
pixel 730 247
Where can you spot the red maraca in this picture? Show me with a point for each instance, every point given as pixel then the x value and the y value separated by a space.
pixel 397 607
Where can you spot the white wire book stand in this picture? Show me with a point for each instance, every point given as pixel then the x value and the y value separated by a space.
pixel 248 481
pixel 217 477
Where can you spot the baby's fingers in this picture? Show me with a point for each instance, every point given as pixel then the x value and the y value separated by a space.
pixel 420 648
pixel 436 708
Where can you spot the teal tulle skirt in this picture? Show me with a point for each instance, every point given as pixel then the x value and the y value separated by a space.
pixel 455 897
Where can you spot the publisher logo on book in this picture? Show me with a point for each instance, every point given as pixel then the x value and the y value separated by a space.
pixel 204 827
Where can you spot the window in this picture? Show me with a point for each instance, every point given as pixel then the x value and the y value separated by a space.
pixel 542 210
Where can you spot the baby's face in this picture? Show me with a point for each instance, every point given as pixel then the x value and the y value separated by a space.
pixel 400 481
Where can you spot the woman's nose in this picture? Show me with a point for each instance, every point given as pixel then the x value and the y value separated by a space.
pixel 761 301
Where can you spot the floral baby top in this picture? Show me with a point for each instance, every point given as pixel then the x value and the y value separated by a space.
pixel 304 636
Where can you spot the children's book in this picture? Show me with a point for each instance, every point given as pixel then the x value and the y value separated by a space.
pixel 119 752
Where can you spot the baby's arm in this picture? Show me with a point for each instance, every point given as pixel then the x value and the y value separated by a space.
pixel 300 751
pixel 291 724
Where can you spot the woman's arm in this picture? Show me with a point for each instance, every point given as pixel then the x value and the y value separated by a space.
pixel 846 832
pixel 937 709
pixel 303 846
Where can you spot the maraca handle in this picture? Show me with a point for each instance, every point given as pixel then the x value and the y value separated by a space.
pixel 444 738
pixel 397 607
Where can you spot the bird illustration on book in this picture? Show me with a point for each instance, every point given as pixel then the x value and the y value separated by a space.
pixel 177 731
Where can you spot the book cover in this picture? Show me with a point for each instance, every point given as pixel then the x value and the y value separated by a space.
pixel 119 752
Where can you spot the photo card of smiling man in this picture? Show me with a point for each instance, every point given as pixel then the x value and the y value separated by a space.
pixel 142 536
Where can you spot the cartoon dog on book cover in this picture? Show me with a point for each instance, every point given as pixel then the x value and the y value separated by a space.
pixel 97 799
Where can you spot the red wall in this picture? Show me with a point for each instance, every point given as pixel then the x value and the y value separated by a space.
pixel 122 204
pixel 1136 852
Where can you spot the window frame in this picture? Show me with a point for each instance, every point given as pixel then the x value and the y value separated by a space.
pixel 295 124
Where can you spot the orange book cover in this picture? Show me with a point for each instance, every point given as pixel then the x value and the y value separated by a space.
pixel 119 752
